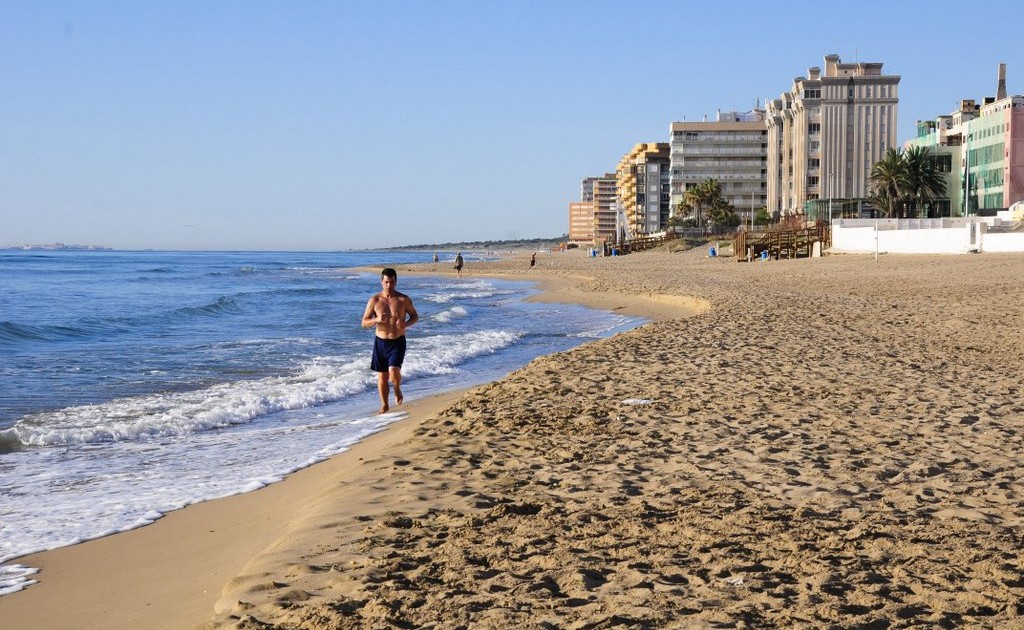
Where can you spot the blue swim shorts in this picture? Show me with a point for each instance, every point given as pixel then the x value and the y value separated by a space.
pixel 387 353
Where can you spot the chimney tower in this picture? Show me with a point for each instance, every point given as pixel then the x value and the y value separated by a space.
pixel 1001 89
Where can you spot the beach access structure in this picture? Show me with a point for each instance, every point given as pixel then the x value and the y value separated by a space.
pixel 783 242
pixel 637 244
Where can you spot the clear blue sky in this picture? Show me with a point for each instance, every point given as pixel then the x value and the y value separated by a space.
pixel 290 125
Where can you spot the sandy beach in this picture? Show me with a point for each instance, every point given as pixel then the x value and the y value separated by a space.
pixel 810 443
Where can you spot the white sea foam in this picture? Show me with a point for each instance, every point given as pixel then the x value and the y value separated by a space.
pixel 69 495
pixel 606 328
pixel 179 413
pixel 448 315
pixel 14 577
pixel 474 289
pixel 325 380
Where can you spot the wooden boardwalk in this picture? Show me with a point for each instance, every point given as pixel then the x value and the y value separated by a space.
pixel 638 244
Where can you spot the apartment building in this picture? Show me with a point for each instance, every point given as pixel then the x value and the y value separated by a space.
pixel 605 197
pixel 581 222
pixel 732 149
pixel 600 192
pixel 643 188
pixel 980 147
pixel 826 133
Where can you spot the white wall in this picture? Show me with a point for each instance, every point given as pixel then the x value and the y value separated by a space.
pixel 1003 242
pixel 921 236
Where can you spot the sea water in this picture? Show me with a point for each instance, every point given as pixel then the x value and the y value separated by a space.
pixel 135 383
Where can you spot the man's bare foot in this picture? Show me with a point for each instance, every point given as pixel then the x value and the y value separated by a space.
pixel 383 409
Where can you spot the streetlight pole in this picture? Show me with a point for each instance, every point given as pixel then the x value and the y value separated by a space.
pixel 751 210
pixel 831 185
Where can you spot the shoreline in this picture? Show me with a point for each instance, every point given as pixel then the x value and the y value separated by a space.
pixel 179 589
pixel 832 443
pixel 169 573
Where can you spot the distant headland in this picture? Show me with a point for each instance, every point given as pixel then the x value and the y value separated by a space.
pixel 56 247
pixel 524 243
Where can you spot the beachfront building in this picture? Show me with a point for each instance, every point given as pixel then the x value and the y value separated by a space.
pixel 732 149
pixel 581 222
pixel 604 191
pixel 824 136
pixel 594 223
pixel 642 180
pixel 980 148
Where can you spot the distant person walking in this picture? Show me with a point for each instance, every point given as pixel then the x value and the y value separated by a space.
pixel 391 312
pixel 533 259
pixel 458 264
pixel 435 257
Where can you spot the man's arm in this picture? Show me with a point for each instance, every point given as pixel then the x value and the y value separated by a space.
pixel 412 315
pixel 370 317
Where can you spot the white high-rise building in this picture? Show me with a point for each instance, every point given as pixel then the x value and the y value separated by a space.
pixel 826 134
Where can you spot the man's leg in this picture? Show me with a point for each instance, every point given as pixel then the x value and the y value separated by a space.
pixel 396 380
pixel 382 389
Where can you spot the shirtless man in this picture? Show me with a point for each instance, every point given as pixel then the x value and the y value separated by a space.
pixel 391 312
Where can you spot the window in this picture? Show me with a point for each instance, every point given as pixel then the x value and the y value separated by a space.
pixel 812 181
pixel 814 163
pixel 814 128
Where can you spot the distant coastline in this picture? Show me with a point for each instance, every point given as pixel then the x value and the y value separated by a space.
pixel 57 247
pixel 523 243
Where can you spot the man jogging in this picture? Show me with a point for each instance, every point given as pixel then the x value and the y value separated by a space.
pixel 391 312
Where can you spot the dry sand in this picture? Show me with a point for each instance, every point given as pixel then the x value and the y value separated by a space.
pixel 827 443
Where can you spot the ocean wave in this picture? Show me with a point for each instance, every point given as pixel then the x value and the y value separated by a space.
pixel 9 443
pixel 178 413
pixel 300 291
pixel 322 380
pixel 11 332
pixel 221 306
pixel 448 315
pixel 247 270
pixel 444 294
pixel 442 354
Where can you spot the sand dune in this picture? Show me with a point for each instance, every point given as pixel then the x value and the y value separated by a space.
pixel 819 443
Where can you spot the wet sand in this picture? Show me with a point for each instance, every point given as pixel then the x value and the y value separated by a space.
pixel 828 442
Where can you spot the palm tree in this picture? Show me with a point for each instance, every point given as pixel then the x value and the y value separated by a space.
pixel 889 180
pixel 721 212
pixel 705 195
pixel 693 200
pixel 924 181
